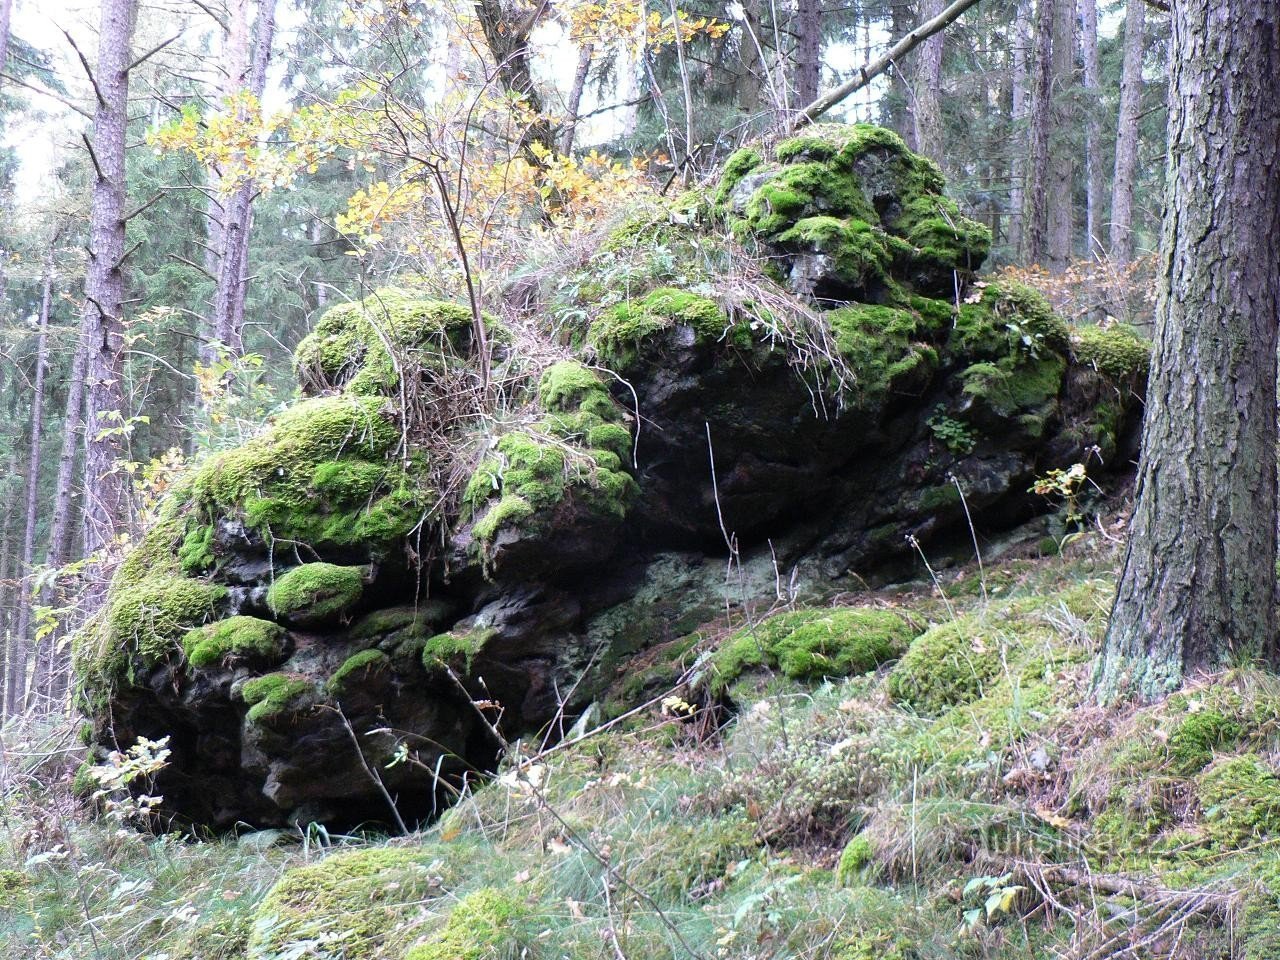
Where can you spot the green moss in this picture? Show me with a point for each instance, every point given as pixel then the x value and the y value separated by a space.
pixel 355 669
pixel 356 898
pixel 83 783
pixel 857 855
pixel 739 164
pixel 564 385
pixel 319 475
pixel 277 694
pixel 948 665
pixel 147 619
pixel 486 924
pixel 859 252
pixel 886 348
pixel 508 512
pixel 1240 797
pixel 1118 352
pixel 617 331
pixel 1195 736
pixel 316 592
pixel 1009 319
pixel 196 553
pixel 803 190
pixel 457 647
pixel 942 239
pixel 238 638
pixel 353 344
pixel 1009 388
pixel 812 644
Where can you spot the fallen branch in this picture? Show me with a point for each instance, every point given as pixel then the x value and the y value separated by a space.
pixel 870 71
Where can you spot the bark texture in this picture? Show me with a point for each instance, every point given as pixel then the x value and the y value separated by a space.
pixel 107 485
pixel 1036 226
pixel 1198 586
pixel 1018 121
pixel 1127 133
pixel 1095 189
pixel 928 84
pixel 808 49
pixel 1062 147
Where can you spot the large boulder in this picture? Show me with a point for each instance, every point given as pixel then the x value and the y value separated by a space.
pixel 408 566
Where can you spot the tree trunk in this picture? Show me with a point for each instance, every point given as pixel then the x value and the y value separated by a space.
pixel 574 104
pixel 21 642
pixel 72 434
pixel 752 68
pixel 1017 122
pixel 1127 134
pixel 1095 187
pixel 1062 157
pixel 928 84
pixel 237 218
pixel 901 114
pixel 235 73
pixel 107 485
pixel 808 50
pixel 1198 586
pixel 1036 229
pixel 506 33
pixel 7 591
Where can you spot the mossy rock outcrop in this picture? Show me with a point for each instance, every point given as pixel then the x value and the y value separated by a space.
pixel 397 562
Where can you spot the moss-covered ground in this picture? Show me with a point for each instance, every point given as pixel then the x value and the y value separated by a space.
pixel 948 792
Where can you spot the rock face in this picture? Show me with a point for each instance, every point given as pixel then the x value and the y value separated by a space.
pixel 401 565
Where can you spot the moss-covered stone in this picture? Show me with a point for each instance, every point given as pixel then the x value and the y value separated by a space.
pixel 320 475
pixel 365 345
pixel 355 670
pixel 1008 319
pixel 1119 352
pixel 235 639
pixel 886 348
pixel 353 898
pixel 316 593
pixel 579 449
pixel 618 330
pixel 486 924
pixel 812 644
pixel 457 648
pixel 856 195
pixel 859 253
pixel 947 665
pixel 739 164
pixel 277 695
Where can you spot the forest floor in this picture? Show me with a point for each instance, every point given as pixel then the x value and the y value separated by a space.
pixel 965 800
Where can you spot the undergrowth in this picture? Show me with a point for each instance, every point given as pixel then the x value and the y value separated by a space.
pixel 966 800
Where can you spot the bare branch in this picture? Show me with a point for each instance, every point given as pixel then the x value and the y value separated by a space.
pixel 870 71
pixel 84 62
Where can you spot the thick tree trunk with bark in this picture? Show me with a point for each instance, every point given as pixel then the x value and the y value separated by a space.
pixel 106 483
pixel 1036 228
pixel 1095 188
pixel 1198 586
pixel 506 33
pixel 1018 140
pixel 900 116
pixel 808 50
pixel 237 214
pixel 927 86
pixel 1127 133
pixel 1062 160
